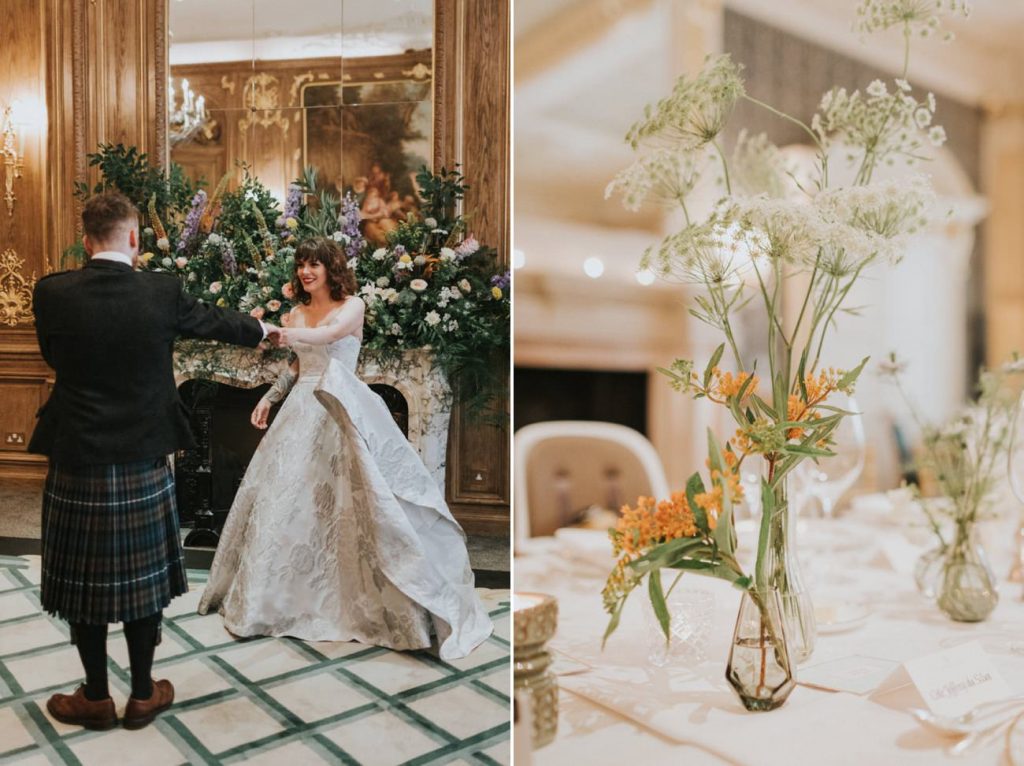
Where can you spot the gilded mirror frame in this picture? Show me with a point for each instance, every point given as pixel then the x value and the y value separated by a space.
pixel 447 63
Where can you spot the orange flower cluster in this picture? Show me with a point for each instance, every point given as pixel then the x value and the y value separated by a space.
pixel 725 385
pixel 711 500
pixel 818 390
pixel 652 523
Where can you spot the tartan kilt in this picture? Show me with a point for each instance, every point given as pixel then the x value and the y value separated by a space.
pixel 111 541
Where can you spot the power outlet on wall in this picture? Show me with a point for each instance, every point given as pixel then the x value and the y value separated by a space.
pixel 14 438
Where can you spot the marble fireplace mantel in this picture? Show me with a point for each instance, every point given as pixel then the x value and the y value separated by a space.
pixel 423 386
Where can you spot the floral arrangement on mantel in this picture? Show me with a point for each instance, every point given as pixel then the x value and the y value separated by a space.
pixel 434 287
pixel 771 227
pixel 965 458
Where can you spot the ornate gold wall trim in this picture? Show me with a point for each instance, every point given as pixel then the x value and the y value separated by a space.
pixel 15 290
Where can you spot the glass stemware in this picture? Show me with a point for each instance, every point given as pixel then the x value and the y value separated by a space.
pixel 828 479
pixel 1015 472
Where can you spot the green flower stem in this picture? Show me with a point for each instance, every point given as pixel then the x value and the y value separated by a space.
pixel 725 166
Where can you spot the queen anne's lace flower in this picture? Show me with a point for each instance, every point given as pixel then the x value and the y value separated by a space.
pixel 664 177
pixel 696 110
pixel 888 125
pixel 922 17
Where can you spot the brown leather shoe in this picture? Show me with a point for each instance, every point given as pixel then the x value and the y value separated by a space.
pixel 139 713
pixel 78 710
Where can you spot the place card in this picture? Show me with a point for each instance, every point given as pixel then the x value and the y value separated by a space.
pixel 956 680
pixel 857 674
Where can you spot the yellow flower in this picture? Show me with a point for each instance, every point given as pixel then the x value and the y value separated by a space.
pixel 496 292
pixel 405 258
pixel 291 223
pixel 146 257
pixel 221 302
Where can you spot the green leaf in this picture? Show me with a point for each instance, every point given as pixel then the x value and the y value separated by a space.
pixel 712 363
pixel 851 377
pixel 694 487
pixel 658 602
pixel 801 374
pixel 800 449
pixel 762 405
pixel 723 535
pixel 666 554
pixel 613 622
pixel 767 511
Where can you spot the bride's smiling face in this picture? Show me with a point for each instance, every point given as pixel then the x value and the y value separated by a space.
pixel 312 275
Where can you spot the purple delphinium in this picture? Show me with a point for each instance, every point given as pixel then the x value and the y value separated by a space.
pixel 292 203
pixel 501 280
pixel 227 256
pixel 349 220
pixel 192 220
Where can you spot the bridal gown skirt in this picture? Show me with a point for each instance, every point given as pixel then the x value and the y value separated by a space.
pixel 338 532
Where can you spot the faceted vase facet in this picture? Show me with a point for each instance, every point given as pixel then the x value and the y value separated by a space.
pixel 760 668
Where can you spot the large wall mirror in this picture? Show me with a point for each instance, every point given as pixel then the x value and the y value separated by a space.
pixel 343 86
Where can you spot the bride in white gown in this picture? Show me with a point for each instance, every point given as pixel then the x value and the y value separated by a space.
pixel 338 532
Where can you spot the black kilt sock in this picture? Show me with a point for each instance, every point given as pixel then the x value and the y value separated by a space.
pixel 91 641
pixel 142 637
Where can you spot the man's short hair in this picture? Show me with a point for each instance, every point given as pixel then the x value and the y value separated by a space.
pixel 104 213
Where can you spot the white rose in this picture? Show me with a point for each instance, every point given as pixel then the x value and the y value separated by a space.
pixel 465 286
pixel 447 254
pixel 380 254
pixel 163 244
pixel 418 285
pixel 181 262
pixel 383 282
pixel 419 260
pixel 431 223
pixel 215 287
pixel 432 319
pixel 166 263
pixel 214 239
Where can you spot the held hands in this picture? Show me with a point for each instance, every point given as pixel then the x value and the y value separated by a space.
pixel 274 334
pixel 259 415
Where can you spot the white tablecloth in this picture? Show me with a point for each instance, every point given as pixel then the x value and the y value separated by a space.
pixel 617 708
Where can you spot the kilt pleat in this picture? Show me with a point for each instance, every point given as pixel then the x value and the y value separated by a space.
pixel 111 542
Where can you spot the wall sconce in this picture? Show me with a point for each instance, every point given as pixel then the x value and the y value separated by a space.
pixel 12 149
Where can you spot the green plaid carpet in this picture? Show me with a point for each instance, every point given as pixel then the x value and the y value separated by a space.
pixel 261 701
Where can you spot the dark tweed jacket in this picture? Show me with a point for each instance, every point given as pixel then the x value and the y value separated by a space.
pixel 108 331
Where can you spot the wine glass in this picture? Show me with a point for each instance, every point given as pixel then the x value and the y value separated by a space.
pixel 1015 474
pixel 829 478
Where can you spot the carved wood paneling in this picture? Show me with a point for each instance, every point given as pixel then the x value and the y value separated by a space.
pixel 472 127
pixel 27 239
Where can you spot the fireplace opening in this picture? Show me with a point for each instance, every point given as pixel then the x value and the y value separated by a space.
pixel 396 404
pixel 208 476
pixel 544 393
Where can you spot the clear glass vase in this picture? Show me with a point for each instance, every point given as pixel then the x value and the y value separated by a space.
pixel 928 572
pixel 786 578
pixel 967 588
pixel 760 667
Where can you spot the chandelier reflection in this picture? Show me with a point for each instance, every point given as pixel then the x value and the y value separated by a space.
pixel 188 117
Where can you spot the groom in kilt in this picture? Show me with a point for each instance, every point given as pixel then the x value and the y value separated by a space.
pixel 110 539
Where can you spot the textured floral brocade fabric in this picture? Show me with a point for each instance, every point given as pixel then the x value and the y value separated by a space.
pixel 338 532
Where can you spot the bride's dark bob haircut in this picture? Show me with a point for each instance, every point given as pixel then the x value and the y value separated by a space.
pixel 340 278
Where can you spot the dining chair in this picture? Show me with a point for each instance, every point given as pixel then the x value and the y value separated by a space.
pixel 564 467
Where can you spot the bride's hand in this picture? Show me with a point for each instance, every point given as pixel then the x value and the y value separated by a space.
pixel 281 341
pixel 259 415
